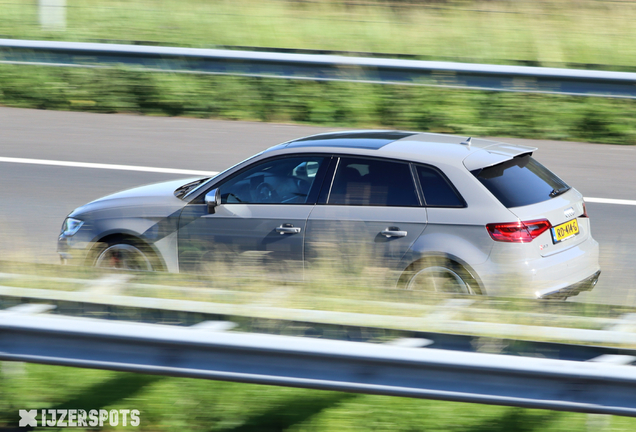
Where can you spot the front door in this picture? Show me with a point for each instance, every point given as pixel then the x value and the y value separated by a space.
pixel 260 224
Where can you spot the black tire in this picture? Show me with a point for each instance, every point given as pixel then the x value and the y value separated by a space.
pixel 440 275
pixel 125 254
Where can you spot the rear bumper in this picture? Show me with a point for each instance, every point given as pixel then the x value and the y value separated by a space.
pixel 520 270
pixel 570 291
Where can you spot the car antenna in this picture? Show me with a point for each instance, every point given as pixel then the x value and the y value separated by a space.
pixel 467 142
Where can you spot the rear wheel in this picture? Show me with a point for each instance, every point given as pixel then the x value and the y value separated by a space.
pixel 440 275
pixel 125 254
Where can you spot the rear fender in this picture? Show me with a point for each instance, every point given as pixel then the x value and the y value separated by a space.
pixel 466 250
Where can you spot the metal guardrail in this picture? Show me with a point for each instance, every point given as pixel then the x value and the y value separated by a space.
pixel 207 351
pixel 323 67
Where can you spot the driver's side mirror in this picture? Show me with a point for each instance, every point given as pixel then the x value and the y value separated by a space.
pixel 213 199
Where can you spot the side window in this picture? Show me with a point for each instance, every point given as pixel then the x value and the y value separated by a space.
pixel 437 190
pixel 278 181
pixel 372 182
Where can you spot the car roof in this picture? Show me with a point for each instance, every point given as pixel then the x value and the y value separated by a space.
pixel 414 146
pixel 362 139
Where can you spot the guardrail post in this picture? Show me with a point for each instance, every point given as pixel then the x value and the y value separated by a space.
pixel 52 14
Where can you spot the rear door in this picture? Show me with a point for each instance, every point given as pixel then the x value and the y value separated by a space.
pixel 370 215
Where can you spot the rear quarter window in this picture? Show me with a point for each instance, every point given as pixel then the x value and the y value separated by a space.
pixel 521 181
pixel 437 190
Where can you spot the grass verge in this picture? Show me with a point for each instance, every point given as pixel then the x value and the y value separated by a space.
pixel 179 404
pixel 464 112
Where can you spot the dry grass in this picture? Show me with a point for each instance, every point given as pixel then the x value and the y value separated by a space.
pixel 541 32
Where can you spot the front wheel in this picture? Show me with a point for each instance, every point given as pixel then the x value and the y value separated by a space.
pixel 124 255
pixel 441 276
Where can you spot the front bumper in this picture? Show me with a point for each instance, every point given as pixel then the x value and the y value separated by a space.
pixel 64 258
pixel 73 250
pixel 586 284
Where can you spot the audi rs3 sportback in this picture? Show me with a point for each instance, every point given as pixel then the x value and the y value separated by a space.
pixel 441 212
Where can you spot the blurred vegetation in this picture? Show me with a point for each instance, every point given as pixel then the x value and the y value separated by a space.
pixel 179 404
pixel 252 295
pixel 583 33
pixel 544 33
pixel 464 112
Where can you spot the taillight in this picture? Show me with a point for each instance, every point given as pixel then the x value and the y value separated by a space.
pixel 518 232
pixel 584 211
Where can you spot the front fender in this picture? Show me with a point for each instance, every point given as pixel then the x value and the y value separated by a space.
pixel 158 233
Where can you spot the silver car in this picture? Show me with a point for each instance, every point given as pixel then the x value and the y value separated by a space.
pixel 441 212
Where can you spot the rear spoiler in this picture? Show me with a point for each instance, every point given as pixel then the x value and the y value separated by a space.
pixel 495 154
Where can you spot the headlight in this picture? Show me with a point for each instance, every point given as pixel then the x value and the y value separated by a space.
pixel 71 226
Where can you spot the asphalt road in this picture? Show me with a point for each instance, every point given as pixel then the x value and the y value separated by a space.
pixel 36 198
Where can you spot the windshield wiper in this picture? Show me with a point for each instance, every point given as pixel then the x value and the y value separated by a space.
pixel 557 192
pixel 182 191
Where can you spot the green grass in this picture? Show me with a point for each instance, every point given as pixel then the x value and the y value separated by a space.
pixel 541 32
pixel 180 405
pixel 352 105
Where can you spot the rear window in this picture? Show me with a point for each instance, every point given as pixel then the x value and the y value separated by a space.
pixel 521 181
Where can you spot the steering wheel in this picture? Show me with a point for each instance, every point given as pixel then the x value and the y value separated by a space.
pixel 303 187
pixel 265 193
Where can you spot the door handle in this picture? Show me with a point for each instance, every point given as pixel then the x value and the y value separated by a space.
pixel 393 232
pixel 287 229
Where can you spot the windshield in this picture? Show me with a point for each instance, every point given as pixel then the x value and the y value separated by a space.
pixel 521 181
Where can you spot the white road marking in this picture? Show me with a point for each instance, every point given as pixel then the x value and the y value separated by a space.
pixel 610 201
pixel 614 359
pixel 106 166
pixel 205 173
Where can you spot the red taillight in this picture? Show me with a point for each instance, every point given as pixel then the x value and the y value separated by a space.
pixel 518 232
pixel 584 211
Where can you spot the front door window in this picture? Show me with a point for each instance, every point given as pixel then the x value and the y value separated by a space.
pixel 280 181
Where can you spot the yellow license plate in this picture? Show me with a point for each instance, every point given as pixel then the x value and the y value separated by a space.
pixel 565 231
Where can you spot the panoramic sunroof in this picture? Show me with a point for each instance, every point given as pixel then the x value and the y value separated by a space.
pixel 372 140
